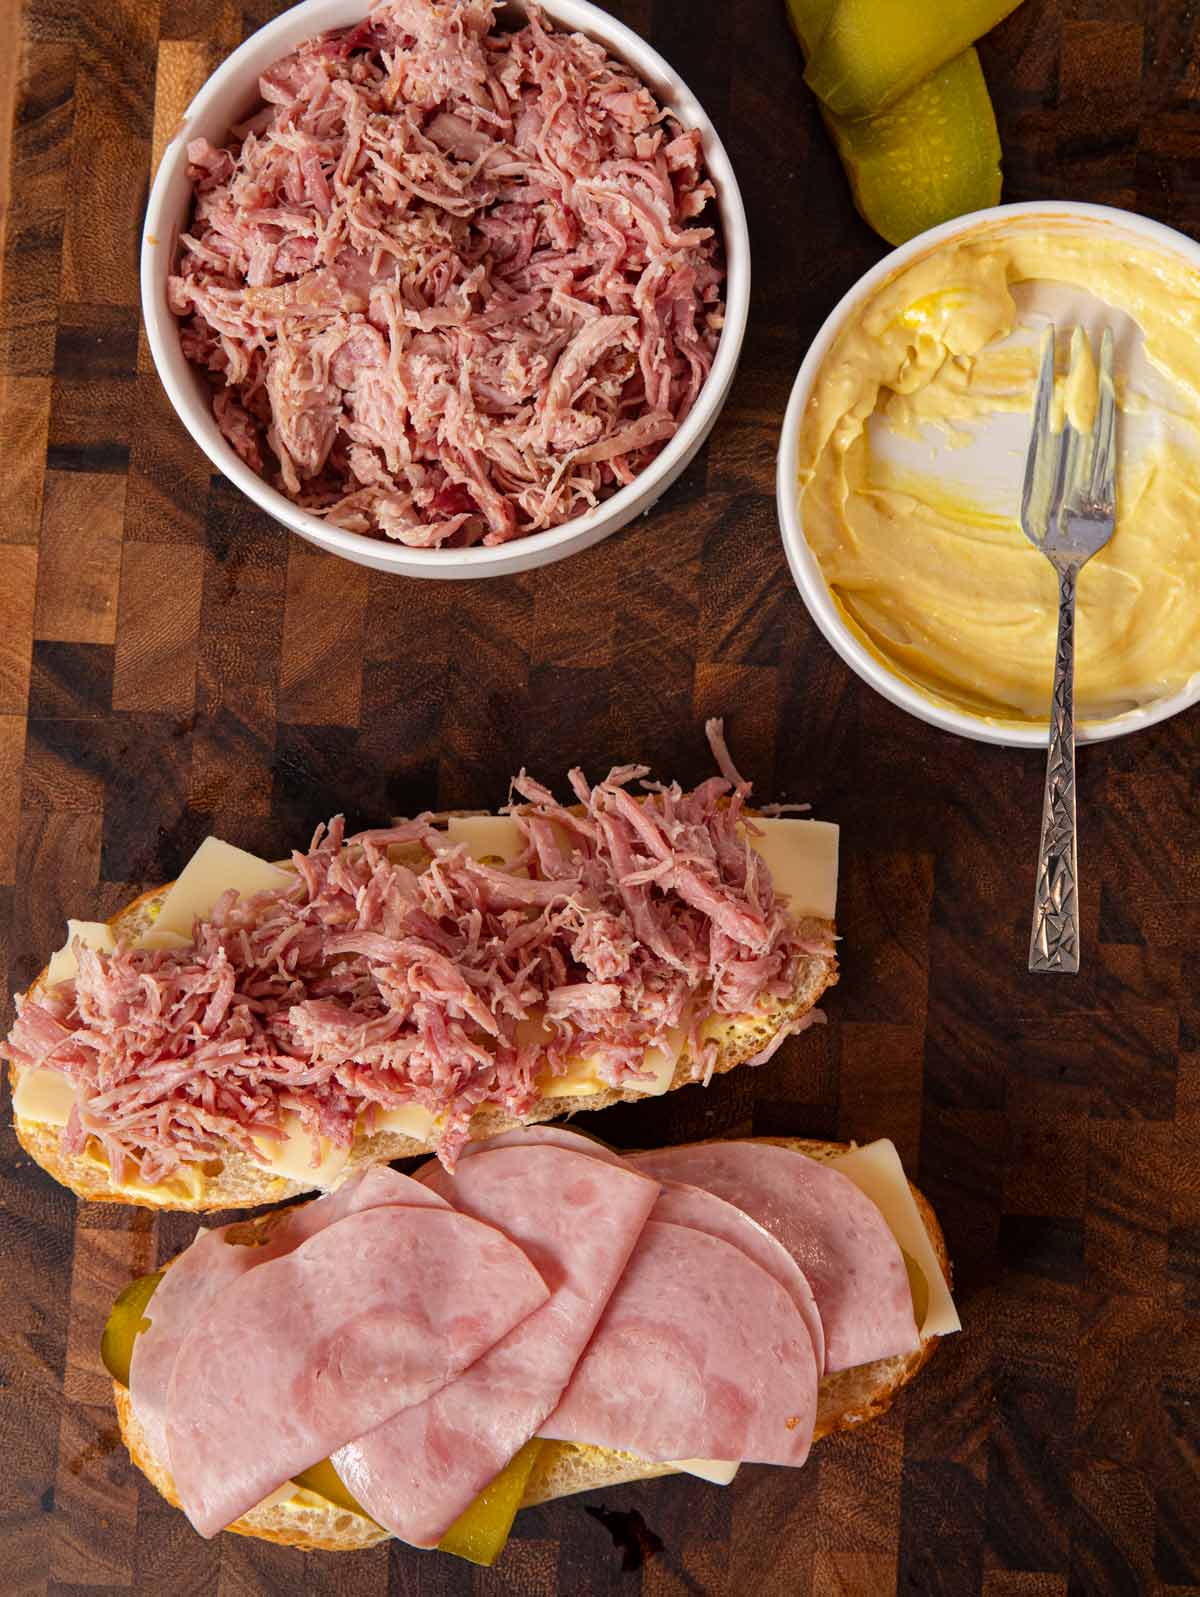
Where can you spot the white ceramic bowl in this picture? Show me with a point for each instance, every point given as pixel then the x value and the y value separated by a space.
pixel 807 573
pixel 229 95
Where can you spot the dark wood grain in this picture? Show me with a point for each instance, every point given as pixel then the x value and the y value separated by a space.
pixel 171 663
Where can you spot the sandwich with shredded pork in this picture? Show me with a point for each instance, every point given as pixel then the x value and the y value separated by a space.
pixel 411 988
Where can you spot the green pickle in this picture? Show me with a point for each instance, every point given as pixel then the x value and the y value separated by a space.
pixel 127 1318
pixel 808 19
pixel 481 1531
pixel 478 1534
pixel 872 52
pixel 933 154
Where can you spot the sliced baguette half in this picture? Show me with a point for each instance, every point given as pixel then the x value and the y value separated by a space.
pixel 846 1399
pixel 235 1181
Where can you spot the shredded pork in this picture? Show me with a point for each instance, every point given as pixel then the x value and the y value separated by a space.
pixel 449 283
pixel 373 983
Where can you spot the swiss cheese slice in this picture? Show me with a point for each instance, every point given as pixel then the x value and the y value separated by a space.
pixel 876 1170
pixel 187 1181
pixel 157 937
pixel 281 1494
pixel 719 1471
pixel 802 855
pixel 43 1097
pixel 63 965
pixel 803 860
pixel 291 1156
pixel 411 1121
pixel 46 1097
pixel 486 836
pixel 583 1075
pixel 213 869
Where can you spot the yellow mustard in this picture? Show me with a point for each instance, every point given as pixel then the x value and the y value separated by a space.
pixel 948 593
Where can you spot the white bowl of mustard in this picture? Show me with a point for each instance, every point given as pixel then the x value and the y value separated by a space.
pixel 902 453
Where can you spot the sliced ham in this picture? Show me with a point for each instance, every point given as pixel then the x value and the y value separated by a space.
pixel 681 1204
pixel 216 1259
pixel 577 1218
pixel 834 1232
pixel 521 1137
pixel 699 1354
pixel 307 1352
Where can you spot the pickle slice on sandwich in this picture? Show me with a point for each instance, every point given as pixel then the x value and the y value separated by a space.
pixel 481 1530
pixel 127 1318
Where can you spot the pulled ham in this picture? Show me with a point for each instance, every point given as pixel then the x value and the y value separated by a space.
pixel 397 970
pixel 449 283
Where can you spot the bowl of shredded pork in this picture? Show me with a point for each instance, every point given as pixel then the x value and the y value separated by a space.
pixel 451 289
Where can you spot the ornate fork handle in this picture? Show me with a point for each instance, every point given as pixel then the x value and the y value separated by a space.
pixel 1054 943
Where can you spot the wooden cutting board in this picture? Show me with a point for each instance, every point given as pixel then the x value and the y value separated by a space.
pixel 171 664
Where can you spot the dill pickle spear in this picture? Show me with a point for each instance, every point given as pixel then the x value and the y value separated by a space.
pixel 933 155
pixel 809 19
pixel 872 52
pixel 126 1318
pixel 480 1532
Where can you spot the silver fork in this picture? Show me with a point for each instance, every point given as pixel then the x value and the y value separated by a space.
pixel 1068 507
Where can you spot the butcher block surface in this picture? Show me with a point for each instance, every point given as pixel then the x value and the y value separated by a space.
pixel 174 664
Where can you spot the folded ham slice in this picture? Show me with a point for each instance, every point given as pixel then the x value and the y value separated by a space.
pixel 577 1218
pixel 700 1353
pixel 704 1211
pixel 215 1260
pixel 678 1203
pixel 300 1355
pixel 524 1137
pixel 834 1232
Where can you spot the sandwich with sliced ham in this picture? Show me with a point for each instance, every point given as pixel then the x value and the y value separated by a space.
pixel 256 1031
pixel 419 1356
